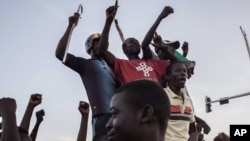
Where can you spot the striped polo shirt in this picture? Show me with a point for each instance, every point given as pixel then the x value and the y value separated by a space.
pixel 182 114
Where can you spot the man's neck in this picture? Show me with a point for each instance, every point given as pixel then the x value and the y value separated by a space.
pixel 133 57
pixel 95 57
pixel 176 90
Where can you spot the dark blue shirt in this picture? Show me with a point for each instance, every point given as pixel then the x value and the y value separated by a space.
pixel 98 81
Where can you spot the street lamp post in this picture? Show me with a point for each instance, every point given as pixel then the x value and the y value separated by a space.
pixel 222 101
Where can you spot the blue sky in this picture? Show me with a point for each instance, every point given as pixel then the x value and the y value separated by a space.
pixel 31 29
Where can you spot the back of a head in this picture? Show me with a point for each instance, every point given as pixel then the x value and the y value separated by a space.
pixel 144 92
pixel 222 137
pixel 89 44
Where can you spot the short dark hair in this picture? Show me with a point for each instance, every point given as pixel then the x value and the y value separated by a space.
pixel 170 67
pixel 222 137
pixel 124 44
pixel 145 92
pixel 168 72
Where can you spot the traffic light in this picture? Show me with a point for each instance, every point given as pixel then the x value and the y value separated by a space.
pixel 208 104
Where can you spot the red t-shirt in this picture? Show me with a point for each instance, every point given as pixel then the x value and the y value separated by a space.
pixel 132 70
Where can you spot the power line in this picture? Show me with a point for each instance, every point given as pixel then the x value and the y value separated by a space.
pixel 245 37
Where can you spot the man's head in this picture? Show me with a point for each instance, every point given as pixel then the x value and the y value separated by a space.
pixel 176 75
pixel 92 42
pixel 140 110
pixel 222 137
pixel 131 46
pixel 190 68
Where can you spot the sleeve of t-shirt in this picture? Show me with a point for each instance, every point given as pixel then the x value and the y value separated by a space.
pixel 116 69
pixel 164 65
pixel 75 63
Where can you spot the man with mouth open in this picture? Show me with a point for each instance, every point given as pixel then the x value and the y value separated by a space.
pixel 182 121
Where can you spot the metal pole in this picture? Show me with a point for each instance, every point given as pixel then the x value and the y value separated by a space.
pixel 231 97
pixel 240 95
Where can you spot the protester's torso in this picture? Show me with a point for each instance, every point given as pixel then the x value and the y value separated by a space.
pixel 98 81
pixel 132 70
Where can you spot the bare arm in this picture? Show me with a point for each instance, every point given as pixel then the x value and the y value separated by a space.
pixel 39 119
pixel 62 45
pixel 8 114
pixel 192 128
pixel 103 43
pixel 205 126
pixel 194 137
pixel 147 53
pixel 158 43
pixel 170 54
pixel 185 49
pixel 84 110
pixel 119 31
pixel 35 99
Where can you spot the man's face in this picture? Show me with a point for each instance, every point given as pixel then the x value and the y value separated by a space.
pixel 171 48
pixel 93 51
pixel 132 46
pixel 190 68
pixel 123 125
pixel 178 75
pixel 162 55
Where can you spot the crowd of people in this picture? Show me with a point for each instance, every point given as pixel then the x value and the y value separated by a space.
pixel 135 99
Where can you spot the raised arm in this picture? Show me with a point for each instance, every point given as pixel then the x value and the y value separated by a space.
pixel 147 53
pixel 63 42
pixel 8 114
pixel 158 44
pixel 39 119
pixel 84 110
pixel 205 126
pixel 194 136
pixel 35 99
pixel 185 49
pixel 102 49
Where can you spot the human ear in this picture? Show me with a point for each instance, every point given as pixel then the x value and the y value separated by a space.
pixel 125 51
pixel 124 48
pixel 168 77
pixel 147 113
